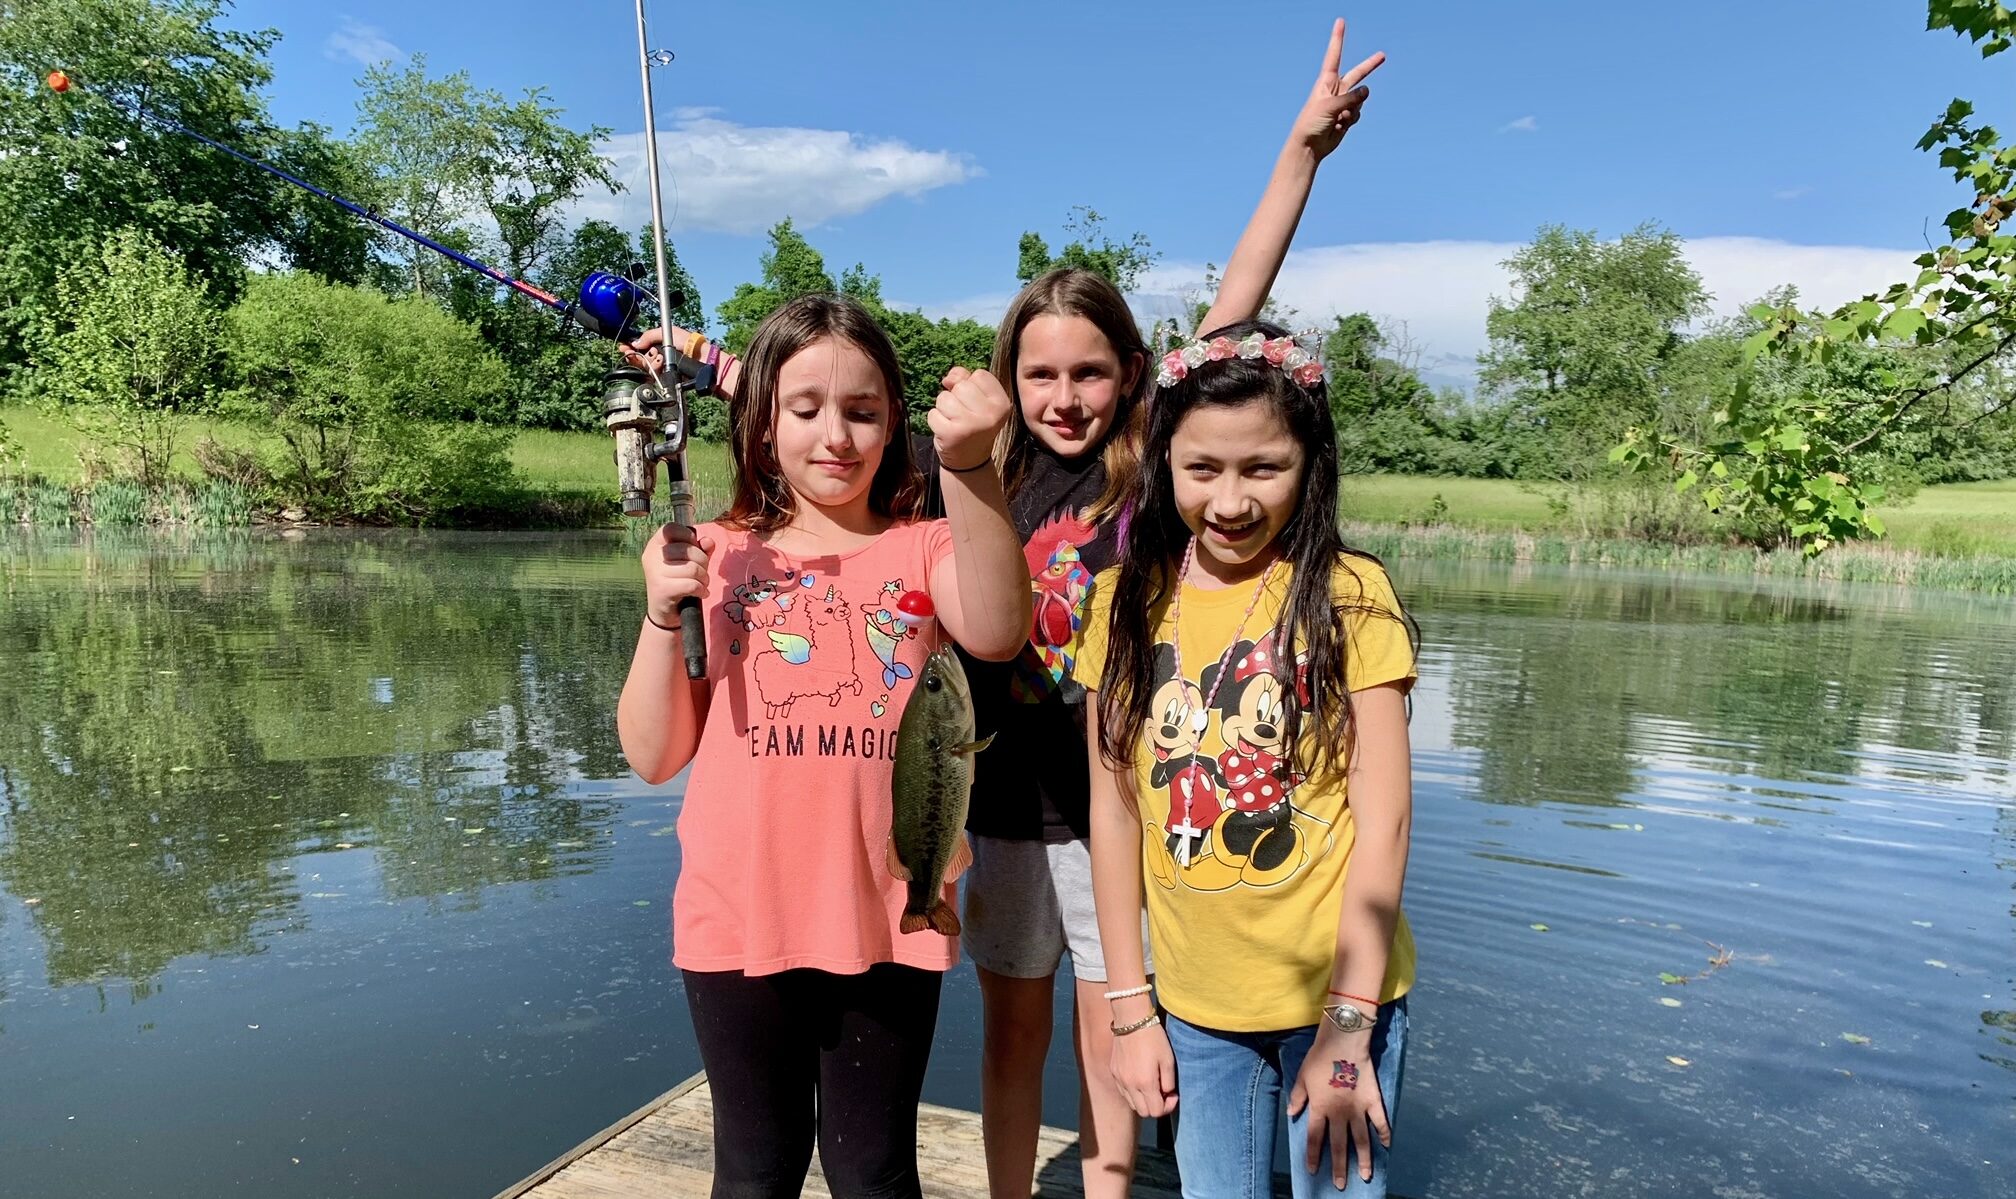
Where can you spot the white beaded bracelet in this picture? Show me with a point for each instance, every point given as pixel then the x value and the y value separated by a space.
pixel 1130 992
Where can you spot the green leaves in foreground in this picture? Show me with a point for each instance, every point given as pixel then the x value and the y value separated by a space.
pixel 1798 446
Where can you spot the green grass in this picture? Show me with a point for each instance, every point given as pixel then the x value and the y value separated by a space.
pixel 1955 521
pixel 1472 503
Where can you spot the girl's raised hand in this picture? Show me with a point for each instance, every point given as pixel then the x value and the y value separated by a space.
pixel 1336 101
pixel 675 566
pixel 971 411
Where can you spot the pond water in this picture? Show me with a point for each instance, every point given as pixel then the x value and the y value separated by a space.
pixel 321 873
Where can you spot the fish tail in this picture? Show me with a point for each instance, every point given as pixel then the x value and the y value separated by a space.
pixel 943 919
pixel 914 922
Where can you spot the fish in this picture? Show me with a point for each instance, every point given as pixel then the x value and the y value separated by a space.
pixel 933 783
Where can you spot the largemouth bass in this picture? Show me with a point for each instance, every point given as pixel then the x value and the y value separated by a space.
pixel 933 784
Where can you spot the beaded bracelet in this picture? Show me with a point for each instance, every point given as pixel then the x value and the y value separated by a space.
pixel 1130 992
pixel 1121 1030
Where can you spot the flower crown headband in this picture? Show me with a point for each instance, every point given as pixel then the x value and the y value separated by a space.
pixel 1301 364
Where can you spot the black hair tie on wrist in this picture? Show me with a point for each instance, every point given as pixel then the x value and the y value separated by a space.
pixel 965 470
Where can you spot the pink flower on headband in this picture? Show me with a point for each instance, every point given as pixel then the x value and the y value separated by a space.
pixel 1283 353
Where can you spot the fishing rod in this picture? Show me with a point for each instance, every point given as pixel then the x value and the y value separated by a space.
pixel 672 449
pixel 644 409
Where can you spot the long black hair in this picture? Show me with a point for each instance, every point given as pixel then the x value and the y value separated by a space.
pixel 1313 620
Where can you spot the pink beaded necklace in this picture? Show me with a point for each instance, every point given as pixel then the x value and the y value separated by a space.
pixel 1203 714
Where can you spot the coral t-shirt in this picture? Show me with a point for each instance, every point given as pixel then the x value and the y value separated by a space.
pixel 785 828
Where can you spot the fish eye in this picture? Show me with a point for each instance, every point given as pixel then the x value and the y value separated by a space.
pixel 932 681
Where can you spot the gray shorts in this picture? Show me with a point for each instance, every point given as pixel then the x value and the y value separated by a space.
pixel 1027 902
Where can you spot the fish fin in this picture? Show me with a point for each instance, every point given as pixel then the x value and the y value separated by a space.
pixel 897 870
pixel 962 859
pixel 973 747
pixel 914 922
pixel 943 919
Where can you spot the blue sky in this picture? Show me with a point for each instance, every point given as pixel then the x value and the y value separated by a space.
pixel 921 139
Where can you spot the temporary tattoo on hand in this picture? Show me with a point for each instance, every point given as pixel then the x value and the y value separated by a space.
pixel 1344 1075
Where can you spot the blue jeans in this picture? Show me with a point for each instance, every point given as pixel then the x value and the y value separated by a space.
pixel 1232 1087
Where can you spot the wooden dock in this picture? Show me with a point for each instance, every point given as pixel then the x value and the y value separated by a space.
pixel 665 1150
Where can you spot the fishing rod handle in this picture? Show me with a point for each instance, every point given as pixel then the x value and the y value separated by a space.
pixel 693 637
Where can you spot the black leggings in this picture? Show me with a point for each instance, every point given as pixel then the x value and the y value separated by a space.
pixel 806 1054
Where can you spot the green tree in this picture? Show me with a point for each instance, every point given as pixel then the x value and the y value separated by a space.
pixel 690 312
pixel 75 168
pixel 1091 248
pixel 791 268
pixel 1799 457
pixel 1575 355
pixel 368 399
pixel 1387 419
pixel 134 352
pixel 529 167
pixel 310 233
pixel 424 140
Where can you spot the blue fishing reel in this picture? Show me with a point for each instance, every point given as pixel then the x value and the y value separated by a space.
pixel 609 306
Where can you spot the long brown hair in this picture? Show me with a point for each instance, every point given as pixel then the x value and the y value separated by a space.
pixel 1315 616
pixel 762 499
pixel 1073 291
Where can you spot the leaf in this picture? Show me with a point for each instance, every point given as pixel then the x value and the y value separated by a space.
pixel 1682 1062
pixel 1922 923
pixel 640 903
pixel 1854 1038
pixel 1904 324
pixel 1538 928
pixel 1754 344
pixel 1670 979
pixel 1668 1001
pixel 1686 480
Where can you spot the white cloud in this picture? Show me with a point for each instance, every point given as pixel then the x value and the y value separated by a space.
pixel 1790 193
pixel 1442 289
pixel 729 178
pixel 365 44
pixel 1522 125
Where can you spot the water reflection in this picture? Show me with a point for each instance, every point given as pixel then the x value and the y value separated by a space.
pixel 189 729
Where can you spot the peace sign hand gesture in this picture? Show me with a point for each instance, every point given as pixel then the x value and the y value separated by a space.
pixel 1336 101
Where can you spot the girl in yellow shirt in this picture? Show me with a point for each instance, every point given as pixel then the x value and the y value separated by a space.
pixel 1251 781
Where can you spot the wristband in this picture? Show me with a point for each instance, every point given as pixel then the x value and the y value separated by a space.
pixel 713 353
pixel 1143 989
pixel 672 629
pixel 965 470
pixel 694 341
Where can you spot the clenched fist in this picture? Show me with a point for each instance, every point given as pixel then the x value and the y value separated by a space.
pixel 972 409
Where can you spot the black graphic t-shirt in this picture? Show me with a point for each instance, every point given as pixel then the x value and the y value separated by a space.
pixel 1032 783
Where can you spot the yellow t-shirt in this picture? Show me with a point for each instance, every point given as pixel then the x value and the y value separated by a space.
pixel 1245 877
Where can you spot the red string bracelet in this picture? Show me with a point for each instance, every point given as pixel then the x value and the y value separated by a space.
pixel 1349 995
